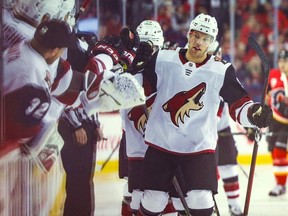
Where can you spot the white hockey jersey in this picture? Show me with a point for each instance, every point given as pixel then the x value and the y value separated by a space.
pixel 26 89
pixel 134 123
pixel 184 115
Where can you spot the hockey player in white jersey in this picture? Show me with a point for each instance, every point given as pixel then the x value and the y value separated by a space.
pixel 134 119
pixel 27 80
pixel 181 131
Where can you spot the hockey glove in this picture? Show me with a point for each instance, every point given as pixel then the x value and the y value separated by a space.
pixel 260 116
pixel 170 45
pixel 130 40
pixel 110 45
pixel 89 38
pixel 144 53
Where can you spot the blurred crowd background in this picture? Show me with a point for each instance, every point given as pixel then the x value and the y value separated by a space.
pixel 265 20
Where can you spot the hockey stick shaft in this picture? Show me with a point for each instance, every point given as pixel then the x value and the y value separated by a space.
pixel 216 206
pixel 180 194
pixel 109 157
pixel 243 170
pixel 82 9
pixel 244 133
pixel 265 62
pixel 250 179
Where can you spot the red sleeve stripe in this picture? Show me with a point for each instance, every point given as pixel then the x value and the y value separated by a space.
pixel 236 105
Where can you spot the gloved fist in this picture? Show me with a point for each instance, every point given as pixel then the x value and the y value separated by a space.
pixel 110 45
pixel 144 53
pixel 170 45
pixel 260 116
pixel 88 37
pixel 131 41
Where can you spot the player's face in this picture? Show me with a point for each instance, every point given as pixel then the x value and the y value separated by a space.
pixel 198 43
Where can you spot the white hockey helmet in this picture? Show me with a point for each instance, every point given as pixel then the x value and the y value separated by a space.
pixel 34 10
pixel 8 3
pixel 206 24
pixel 151 30
pixel 67 11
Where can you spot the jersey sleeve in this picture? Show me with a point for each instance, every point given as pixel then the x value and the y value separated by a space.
pixel 24 109
pixel 237 97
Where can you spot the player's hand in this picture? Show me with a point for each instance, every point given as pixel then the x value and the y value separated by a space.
pixel 99 134
pixel 110 45
pixel 131 42
pixel 260 116
pixel 81 136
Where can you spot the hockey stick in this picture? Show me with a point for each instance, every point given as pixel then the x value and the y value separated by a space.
pixel 216 206
pixel 243 170
pixel 82 9
pixel 180 194
pixel 244 133
pixel 265 62
pixel 109 157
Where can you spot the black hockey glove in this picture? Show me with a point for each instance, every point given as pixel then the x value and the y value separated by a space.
pixel 170 45
pixel 110 45
pixel 144 53
pixel 283 109
pixel 130 40
pixel 88 37
pixel 260 116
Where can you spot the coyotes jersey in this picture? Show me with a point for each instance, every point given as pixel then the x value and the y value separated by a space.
pixel 134 124
pixel 184 115
pixel 278 92
pixel 26 90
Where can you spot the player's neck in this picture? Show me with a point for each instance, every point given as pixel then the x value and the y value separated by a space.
pixel 195 59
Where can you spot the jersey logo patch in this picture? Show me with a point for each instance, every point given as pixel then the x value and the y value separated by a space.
pixel 139 115
pixel 183 102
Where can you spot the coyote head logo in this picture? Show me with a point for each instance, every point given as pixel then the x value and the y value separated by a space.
pixel 180 104
pixel 139 115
